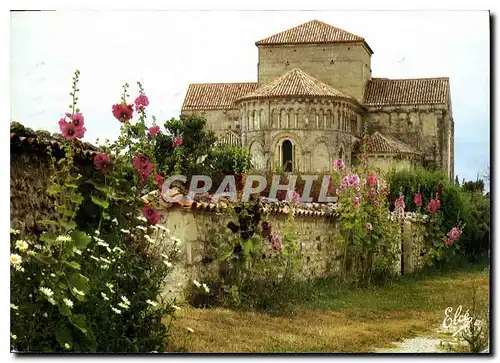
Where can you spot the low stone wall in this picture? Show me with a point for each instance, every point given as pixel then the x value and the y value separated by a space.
pixel 322 253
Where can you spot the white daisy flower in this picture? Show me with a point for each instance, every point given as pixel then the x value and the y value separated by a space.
pixel 22 245
pixel 68 302
pixel 67 346
pixel 38 247
pixel 142 228
pixel 78 292
pixel 142 218
pixel 77 251
pixel 96 232
pixel 152 303
pixel 63 239
pixel 14 231
pixel 51 300
pixel 105 260
pixel 196 283
pixel 116 310
pixel 98 239
pixel 104 267
pixel 104 296
pixel 118 250
pixel 167 263
pixel 109 286
pixel 95 258
pixel 123 306
pixel 125 231
pixel 13 336
pixel 125 300
pixel 31 253
pixel 46 291
pixel 45 315
pixel 102 243
pixel 52 275
pixel 205 287
pixel 14 307
pixel 15 259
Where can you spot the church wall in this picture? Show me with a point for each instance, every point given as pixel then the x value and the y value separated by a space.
pixel 346 67
pixel 386 163
pixel 427 128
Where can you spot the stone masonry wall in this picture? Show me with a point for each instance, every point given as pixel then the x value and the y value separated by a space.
pixel 322 253
pixel 345 67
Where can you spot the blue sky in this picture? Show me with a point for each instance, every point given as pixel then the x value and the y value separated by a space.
pixel 167 50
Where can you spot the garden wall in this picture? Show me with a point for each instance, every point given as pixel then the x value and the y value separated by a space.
pixel 322 253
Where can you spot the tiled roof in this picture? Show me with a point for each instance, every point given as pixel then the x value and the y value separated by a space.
pixel 215 96
pixel 381 144
pixel 312 32
pixel 418 91
pixel 24 139
pixel 294 83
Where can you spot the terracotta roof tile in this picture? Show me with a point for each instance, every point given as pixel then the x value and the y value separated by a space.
pixel 418 91
pixel 294 83
pixel 381 144
pixel 312 32
pixel 215 96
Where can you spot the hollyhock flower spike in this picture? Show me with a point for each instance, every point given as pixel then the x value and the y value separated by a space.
pixel 68 130
pixel 123 112
pixel 141 102
pixel 454 233
pixel 433 206
pixel 372 180
pixel 400 203
pixel 103 163
pixel 417 199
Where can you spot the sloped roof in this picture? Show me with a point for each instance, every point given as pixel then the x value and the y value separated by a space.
pixel 215 96
pixel 294 83
pixel 313 32
pixel 229 138
pixel 382 144
pixel 417 91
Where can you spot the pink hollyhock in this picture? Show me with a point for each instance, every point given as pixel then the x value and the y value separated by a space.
pixel 102 163
pixel 433 206
pixel 123 112
pixel 139 161
pixel 159 180
pixel 454 233
pixel 355 201
pixel 448 241
pixel 372 180
pixel 338 164
pixel 369 227
pixel 400 203
pixel 151 214
pixel 417 199
pixel 276 243
pixel 76 118
pixel 354 179
pixel 178 141
pixel 153 130
pixel 141 102
pixel 68 130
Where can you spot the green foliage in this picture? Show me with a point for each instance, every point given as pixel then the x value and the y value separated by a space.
pixel 199 152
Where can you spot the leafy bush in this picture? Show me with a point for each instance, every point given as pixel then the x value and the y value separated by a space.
pixel 96 289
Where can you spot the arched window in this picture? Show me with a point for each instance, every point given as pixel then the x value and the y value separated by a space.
pixel 256 121
pixel 287 155
pixel 338 119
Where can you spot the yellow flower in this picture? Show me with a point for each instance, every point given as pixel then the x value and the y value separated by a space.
pixel 13 336
pixel 67 346
pixel 14 307
pixel 22 245
pixel 15 259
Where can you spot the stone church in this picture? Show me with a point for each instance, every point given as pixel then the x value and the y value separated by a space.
pixel 315 97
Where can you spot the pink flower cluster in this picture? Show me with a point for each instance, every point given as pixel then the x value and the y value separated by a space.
pixel 143 165
pixel 433 206
pixel 141 102
pixel 153 130
pixel 338 164
pixel 417 199
pixel 123 112
pixel 74 127
pixel 350 180
pixel 293 196
pixel 453 234
pixel 178 141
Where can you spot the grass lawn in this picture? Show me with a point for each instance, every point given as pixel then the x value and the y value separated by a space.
pixel 333 320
